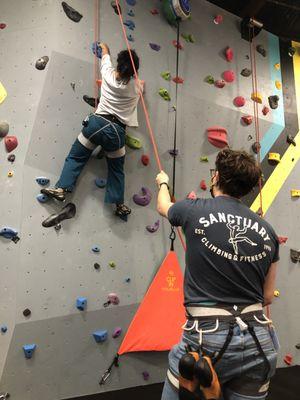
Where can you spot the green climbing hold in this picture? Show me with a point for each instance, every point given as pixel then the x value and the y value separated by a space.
pixel 210 79
pixel 166 75
pixel 112 264
pixel 188 37
pixel 204 159
pixel 133 142
pixel 164 94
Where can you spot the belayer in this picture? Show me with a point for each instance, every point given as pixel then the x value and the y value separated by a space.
pixel 106 128
pixel 229 347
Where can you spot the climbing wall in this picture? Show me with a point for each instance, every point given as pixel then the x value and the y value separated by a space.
pixel 47 270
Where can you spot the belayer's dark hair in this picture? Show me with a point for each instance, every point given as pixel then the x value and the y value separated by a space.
pixel 124 65
pixel 238 171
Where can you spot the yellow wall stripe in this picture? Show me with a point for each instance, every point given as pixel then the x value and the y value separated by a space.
pixel 290 157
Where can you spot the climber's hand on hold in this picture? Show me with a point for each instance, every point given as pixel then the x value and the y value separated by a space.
pixel 162 177
pixel 105 49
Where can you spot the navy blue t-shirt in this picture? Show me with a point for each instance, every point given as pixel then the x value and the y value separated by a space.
pixel 229 250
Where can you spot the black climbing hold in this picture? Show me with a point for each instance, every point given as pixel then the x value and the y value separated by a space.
pixel 26 312
pixel 4 128
pixel 291 51
pixel 273 101
pixel 256 147
pixel 291 140
pixel 173 152
pixel 97 266
pixel 298 346
pixel 41 63
pixel 114 6
pixel 4 395
pixel 71 12
pixel 295 255
pixel 91 100
pixel 261 50
pixel 246 72
pixel 11 158
pixel 67 212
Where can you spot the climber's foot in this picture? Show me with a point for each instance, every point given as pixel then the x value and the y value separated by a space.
pixel 57 194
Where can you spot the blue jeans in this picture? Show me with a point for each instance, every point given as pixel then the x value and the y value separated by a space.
pixel 111 137
pixel 241 370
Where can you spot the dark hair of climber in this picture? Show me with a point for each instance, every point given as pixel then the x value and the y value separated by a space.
pixel 124 68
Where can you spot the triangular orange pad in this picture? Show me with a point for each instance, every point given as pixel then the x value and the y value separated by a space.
pixel 157 323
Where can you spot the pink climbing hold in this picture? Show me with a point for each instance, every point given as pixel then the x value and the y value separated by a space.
pixel 282 239
pixel 217 136
pixel 178 80
pixel 247 119
pixel 265 110
pixel 229 54
pixel 11 142
pixel 218 19
pixel 203 185
pixel 154 11
pixel 2 26
pixel 117 332
pixel 239 101
pixel 145 159
pixel 229 76
pixel 178 45
pixel 192 196
pixel 220 83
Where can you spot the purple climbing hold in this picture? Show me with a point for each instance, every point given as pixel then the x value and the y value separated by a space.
pixel 131 2
pixel 117 332
pixel 153 228
pixel 71 13
pixel 155 47
pixel 143 199
pixel 146 375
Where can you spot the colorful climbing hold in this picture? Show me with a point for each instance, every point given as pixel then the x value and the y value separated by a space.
pixel 218 19
pixel 166 75
pixel 274 158
pixel 278 85
pixel 239 101
pixel 2 25
pixel 188 37
pixel 246 72
pixel 276 293
pixel 71 13
pixel 164 94
pixel 26 312
pixel 130 13
pixel 247 119
pixel 273 101
pixel 4 128
pixel 131 2
pixel 282 239
pixel 295 192
pixel 178 45
pixel 97 49
pixel 29 350
pixel 257 97
pixel 42 180
pixel 117 332
pixel 203 185
pixel 204 159
pixel 192 195
pixel 265 110
pixel 229 76
pixel 3 328
pixel 96 249
pixel 256 147
pixel 41 63
pixel 100 336
pixel 112 298
pixel 220 83
pixel 288 359
pixel 10 174
pixel 261 50
pixel 130 38
pixel 154 46
pixel 3 93
pixel 99 82
pixel 146 375
pixel 229 54
pixel 217 136
pixel 143 199
pixel 114 6
pixel 291 140
pixel 133 142
pixel 277 66
pixel 81 303
pixel 154 11
pixel 11 158
pixel 153 228
pixel 209 79
pixel 145 159
pixel 112 264
pixel 8 233
pixel 100 182
pixel 130 24
pixel 178 80
pixel 97 266
pixel 42 198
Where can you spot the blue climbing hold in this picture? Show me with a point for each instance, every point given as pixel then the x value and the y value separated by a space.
pixel 100 336
pixel 131 2
pixel 41 180
pixel 100 183
pixel 81 303
pixel 8 233
pixel 130 24
pixel 96 49
pixel 96 249
pixel 42 198
pixel 131 13
pixel 3 328
pixel 29 350
pixel 130 38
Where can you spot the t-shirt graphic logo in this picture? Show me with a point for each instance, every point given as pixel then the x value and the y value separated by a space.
pixel 237 235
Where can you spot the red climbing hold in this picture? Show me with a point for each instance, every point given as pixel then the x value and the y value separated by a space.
pixel 192 196
pixel 177 79
pixel 145 159
pixel 178 45
pixel 229 76
pixel 220 83
pixel 282 239
pixel 2 26
pixel 99 82
pixel 247 119
pixel 229 54
pixel 154 11
pixel 288 359
pixel 11 142
pixel 203 185
pixel 218 19
pixel 217 136
pixel 265 110
pixel 239 101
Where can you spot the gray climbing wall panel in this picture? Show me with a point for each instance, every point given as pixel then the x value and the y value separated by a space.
pixel 47 270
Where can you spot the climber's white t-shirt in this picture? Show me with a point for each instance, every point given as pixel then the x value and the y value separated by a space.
pixel 117 98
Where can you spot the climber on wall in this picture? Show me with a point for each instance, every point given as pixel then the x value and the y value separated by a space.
pixel 106 128
pixel 230 274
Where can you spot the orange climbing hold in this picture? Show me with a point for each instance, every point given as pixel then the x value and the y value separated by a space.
pixel 288 359
pixel 99 82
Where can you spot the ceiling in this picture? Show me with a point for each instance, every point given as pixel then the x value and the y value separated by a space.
pixel 281 17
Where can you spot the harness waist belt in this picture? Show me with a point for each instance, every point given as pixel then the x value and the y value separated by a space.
pixel 212 311
pixel 113 118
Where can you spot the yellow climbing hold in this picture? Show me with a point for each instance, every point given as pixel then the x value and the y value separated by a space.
pixel 278 85
pixel 10 174
pixel 277 66
pixel 3 93
pixel 257 97
pixel 276 293
pixel 274 157
pixel 295 192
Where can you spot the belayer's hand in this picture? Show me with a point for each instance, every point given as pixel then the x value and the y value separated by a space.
pixel 162 177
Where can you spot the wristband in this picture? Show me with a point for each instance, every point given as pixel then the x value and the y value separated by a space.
pixel 164 183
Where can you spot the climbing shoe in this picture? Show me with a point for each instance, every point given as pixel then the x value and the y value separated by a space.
pixel 67 212
pixel 164 94
pixel 57 194
pixel 122 210
pixel 71 12
pixel 91 100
